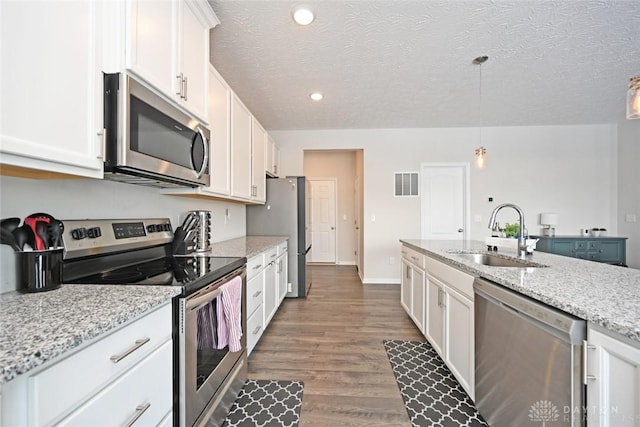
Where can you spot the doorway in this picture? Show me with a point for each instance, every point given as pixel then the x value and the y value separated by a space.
pixel 346 168
pixel 445 201
pixel 323 220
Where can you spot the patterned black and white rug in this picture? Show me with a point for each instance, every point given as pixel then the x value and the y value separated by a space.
pixel 267 403
pixel 431 394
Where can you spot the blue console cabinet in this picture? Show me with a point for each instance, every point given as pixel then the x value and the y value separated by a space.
pixel 611 250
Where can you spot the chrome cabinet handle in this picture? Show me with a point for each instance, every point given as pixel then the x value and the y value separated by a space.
pixel 180 83
pixel 139 343
pixel 140 409
pixel 257 294
pixel 257 266
pixel 256 330
pixel 103 152
pixel 184 81
pixel 408 272
pixel 585 375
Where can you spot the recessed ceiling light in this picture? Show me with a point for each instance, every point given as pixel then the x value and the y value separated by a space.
pixel 316 96
pixel 303 15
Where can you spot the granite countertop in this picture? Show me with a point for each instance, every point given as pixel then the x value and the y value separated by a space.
pixel 38 327
pixel 604 294
pixel 247 246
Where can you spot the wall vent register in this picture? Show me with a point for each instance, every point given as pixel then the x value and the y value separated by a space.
pixel 406 184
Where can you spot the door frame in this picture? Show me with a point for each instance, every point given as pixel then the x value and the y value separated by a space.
pixel 466 197
pixel 335 218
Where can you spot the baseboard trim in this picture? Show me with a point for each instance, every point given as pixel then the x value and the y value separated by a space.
pixel 346 263
pixel 374 281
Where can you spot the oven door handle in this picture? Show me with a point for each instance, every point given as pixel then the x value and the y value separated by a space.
pixel 203 299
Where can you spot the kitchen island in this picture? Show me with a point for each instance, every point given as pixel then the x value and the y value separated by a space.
pixel 475 336
pixel 602 294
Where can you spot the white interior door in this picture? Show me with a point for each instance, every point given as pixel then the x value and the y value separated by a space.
pixel 323 221
pixel 444 201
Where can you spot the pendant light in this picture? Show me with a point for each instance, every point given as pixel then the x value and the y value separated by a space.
pixel 480 152
pixel 633 98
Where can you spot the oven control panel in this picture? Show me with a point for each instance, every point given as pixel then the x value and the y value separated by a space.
pixel 102 236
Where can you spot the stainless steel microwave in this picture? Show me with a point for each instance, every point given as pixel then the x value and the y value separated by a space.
pixel 149 141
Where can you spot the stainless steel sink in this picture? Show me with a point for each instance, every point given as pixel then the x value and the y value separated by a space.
pixel 498 261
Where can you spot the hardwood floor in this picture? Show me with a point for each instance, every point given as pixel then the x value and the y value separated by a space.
pixel 332 340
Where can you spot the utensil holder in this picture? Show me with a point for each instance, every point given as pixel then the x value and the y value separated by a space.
pixel 39 271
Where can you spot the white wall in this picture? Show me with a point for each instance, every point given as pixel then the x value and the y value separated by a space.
pixel 629 187
pixel 87 198
pixel 571 170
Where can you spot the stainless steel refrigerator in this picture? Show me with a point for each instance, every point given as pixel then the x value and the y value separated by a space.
pixel 286 213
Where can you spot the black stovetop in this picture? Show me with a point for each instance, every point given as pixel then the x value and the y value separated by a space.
pixel 189 272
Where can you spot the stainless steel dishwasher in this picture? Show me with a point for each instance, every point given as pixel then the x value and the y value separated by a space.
pixel 528 360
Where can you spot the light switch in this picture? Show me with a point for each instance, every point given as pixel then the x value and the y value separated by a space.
pixel 344 217
pixel 373 218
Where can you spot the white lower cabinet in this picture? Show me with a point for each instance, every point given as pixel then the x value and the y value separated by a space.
pixel 282 271
pixel 264 291
pixel 450 320
pixel 413 286
pixel 271 301
pixel 255 300
pixel 439 299
pixel 129 400
pixel 126 374
pixel 435 298
pixel 613 380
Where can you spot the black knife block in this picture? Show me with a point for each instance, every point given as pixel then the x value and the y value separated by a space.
pixel 180 246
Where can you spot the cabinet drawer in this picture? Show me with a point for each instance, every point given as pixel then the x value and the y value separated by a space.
pixel 88 370
pixel 255 265
pixel 255 294
pixel 148 383
pixel 270 255
pixel 413 256
pixel 581 245
pixel 254 328
pixel 454 278
pixel 282 248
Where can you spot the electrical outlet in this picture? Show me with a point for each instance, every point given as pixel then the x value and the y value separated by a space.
pixel 392 260
pixel 289 287
pixel 630 218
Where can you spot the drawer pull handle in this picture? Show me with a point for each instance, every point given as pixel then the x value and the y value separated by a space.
pixel 273 255
pixel 256 330
pixel 140 409
pixel 257 294
pixel 139 343
pixel 257 266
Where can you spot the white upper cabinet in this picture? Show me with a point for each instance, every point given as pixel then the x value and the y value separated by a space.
pixel 241 123
pixel 152 31
pixel 51 85
pixel 272 157
pixel 167 45
pixel 258 175
pixel 220 141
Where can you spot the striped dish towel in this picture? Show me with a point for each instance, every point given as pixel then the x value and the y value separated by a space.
pixel 206 334
pixel 230 315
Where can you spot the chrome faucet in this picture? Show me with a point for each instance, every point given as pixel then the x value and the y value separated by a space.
pixel 522 242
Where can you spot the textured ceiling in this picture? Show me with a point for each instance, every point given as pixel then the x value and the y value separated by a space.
pixel 401 64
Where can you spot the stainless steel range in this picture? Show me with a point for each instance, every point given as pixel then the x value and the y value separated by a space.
pixel 209 359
